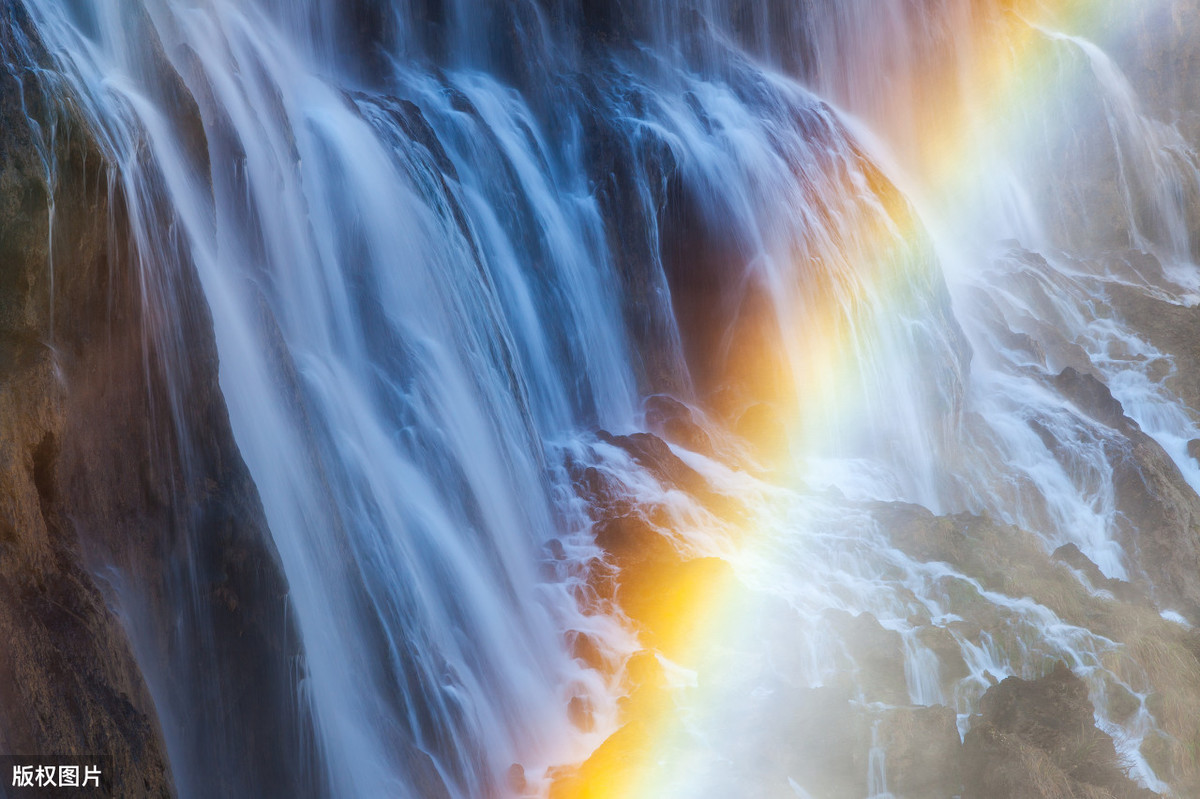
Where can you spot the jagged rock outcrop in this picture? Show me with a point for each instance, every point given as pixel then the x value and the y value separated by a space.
pixel 1160 513
pixel 1036 739
pixel 676 422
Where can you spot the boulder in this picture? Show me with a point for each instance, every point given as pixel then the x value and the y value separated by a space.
pixel 675 422
pixel 1038 739
pixel 1123 590
pixel 652 454
pixel 1092 397
pixel 943 644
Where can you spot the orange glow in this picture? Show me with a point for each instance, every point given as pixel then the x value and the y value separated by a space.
pixel 809 377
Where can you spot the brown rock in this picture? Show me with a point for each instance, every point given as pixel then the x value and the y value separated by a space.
pixel 515 777
pixel 1092 397
pixel 1121 589
pixel 585 649
pixel 675 422
pixel 652 454
pixel 878 655
pixel 923 751
pixel 581 713
pixel 949 654
pixel 923 535
pixel 1038 739
pixel 634 543
pixel 116 458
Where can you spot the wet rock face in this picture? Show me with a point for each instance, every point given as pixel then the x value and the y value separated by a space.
pixel 876 651
pixel 1157 656
pixel 1122 590
pixel 676 422
pixel 652 453
pixel 1159 512
pixel 1037 739
pixel 68 681
pixel 924 752
pixel 1092 397
pixel 98 477
pixel 629 177
pixel 1155 44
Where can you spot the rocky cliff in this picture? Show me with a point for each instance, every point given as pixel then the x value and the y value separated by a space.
pixel 129 527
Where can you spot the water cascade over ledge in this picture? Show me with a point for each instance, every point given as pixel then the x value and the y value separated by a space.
pixel 663 399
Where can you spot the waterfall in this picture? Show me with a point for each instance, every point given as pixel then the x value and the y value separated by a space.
pixel 449 250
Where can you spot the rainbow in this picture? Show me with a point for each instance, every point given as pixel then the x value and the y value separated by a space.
pixel 689 610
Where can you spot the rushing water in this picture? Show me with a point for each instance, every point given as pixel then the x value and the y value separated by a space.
pixel 442 243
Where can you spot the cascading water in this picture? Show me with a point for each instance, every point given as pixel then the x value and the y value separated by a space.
pixel 444 246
